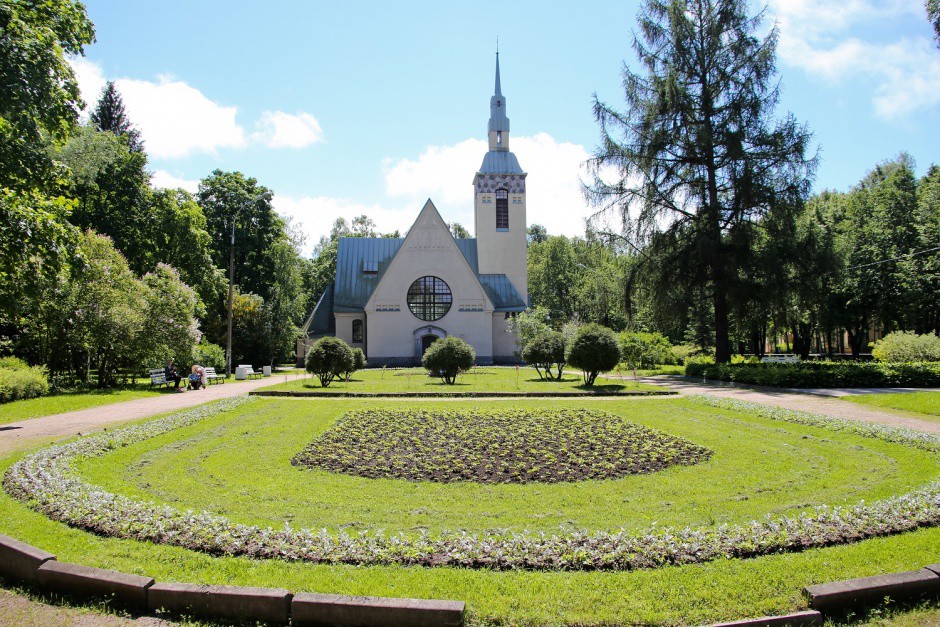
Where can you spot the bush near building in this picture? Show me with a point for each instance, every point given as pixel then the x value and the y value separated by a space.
pixel 448 357
pixel 546 352
pixel 328 358
pixel 593 349
pixel 822 374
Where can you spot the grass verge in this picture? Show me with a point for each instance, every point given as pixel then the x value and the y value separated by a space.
pixel 503 379
pixel 922 405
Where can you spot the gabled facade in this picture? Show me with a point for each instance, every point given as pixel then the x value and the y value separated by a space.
pixel 392 297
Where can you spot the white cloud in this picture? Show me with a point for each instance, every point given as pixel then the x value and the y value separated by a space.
pixel 905 73
pixel 284 130
pixel 176 120
pixel 166 180
pixel 445 174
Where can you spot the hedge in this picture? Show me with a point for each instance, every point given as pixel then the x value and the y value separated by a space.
pixel 823 374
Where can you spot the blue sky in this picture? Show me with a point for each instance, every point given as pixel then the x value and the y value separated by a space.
pixel 351 108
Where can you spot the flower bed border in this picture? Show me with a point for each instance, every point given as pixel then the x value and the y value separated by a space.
pixel 45 483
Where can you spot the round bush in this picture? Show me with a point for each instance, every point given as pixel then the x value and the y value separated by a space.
pixel 546 351
pixel 210 355
pixel 516 446
pixel 445 358
pixel 328 358
pixel 593 349
pixel 22 382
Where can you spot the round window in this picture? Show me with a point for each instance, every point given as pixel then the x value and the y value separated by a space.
pixel 429 298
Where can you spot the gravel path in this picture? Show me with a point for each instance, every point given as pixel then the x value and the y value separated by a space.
pixel 26 433
pixel 822 401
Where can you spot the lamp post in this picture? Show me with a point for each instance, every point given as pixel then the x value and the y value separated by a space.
pixel 231 294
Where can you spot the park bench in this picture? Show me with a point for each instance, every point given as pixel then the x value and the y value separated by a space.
pixel 158 377
pixel 250 372
pixel 780 359
pixel 212 377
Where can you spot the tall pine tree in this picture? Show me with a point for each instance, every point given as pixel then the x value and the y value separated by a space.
pixel 699 151
pixel 109 115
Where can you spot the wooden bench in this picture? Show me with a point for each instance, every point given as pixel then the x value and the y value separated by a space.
pixel 250 372
pixel 212 377
pixel 158 377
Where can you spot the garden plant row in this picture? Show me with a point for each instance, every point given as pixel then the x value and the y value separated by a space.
pixel 823 374
pixel 46 482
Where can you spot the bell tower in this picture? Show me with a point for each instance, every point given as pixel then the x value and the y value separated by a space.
pixel 500 202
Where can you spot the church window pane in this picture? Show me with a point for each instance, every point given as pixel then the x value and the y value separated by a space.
pixel 502 209
pixel 429 298
pixel 357 331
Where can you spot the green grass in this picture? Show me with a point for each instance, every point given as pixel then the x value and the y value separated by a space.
pixel 652 372
pixel 922 405
pixel 238 463
pixel 483 379
pixel 73 400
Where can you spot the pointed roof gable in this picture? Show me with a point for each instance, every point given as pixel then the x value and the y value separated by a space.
pixel 430 233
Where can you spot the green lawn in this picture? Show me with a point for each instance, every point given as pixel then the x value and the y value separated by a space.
pixel 923 405
pixel 72 400
pixel 238 464
pixel 483 379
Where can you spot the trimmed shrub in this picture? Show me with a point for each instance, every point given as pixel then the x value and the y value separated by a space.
pixel 593 349
pixel 328 358
pixel 907 346
pixel 18 380
pixel 358 362
pixel 446 358
pixel 822 374
pixel 546 351
pixel 210 355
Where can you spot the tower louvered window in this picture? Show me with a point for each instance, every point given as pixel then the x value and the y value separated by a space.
pixel 502 209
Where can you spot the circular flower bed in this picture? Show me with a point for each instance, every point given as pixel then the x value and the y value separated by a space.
pixel 45 481
pixel 514 446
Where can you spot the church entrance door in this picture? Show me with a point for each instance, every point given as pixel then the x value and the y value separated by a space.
pixel 426 342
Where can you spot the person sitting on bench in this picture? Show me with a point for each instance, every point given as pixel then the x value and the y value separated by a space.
pixel 171 374
pixel 197 378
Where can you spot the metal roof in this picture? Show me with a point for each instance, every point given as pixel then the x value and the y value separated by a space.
pixel 361 263
pixel 502 292
pixel 500 162
pixel 321 320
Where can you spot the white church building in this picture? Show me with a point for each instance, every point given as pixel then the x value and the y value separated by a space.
pixel 393 297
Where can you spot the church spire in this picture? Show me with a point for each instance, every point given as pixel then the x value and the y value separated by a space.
pixel 499 123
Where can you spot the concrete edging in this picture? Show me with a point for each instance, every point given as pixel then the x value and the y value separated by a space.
pixel 839 595
pixel 808 618
pixel 23 563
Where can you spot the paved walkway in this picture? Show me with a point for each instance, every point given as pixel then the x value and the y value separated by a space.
pixel 25 433
pixel 816 401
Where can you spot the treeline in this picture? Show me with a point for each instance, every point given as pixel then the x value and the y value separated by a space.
pixel 817 278
pixel 102 276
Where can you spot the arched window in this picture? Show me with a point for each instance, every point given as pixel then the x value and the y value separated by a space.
pixel 357 331
pixel 502 209
pixel 429 298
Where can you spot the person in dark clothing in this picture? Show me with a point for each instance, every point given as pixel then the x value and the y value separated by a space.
pixel 171 375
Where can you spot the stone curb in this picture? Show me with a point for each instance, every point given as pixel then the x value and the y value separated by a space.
pixel 799 619
pixel 303 394
pixel 20 561
pixel 838 595
pixel 128 590
pixel 334 609
pixel 260 604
